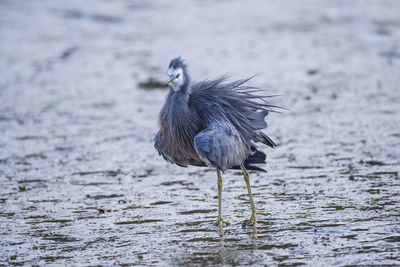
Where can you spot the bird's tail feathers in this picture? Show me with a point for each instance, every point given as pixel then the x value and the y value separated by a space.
pixel 257 157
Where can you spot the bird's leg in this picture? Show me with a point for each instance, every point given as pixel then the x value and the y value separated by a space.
pixel 220 220
pixel 254 212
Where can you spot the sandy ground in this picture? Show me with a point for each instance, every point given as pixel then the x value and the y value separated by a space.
pixel 80 181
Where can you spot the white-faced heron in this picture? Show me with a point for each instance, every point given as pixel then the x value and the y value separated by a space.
pixel 213 123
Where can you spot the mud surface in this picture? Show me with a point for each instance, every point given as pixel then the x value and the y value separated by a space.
pixel 80 181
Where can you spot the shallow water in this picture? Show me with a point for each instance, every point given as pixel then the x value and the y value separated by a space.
pixel 80 181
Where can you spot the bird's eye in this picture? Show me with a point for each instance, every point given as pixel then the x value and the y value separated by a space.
pixel 177 76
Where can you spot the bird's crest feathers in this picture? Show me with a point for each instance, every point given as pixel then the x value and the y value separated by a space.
pixel 177 63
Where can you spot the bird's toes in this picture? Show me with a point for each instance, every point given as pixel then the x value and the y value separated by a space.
pixel 221 222
pixel 253 219
pixel 252 222
pixel 263 213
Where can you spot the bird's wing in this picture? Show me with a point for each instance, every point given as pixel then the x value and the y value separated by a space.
pixel 233 102
pixel 221 146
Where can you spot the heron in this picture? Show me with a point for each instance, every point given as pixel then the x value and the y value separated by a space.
pixel 214 123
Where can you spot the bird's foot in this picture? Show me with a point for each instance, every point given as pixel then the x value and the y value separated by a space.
pixel 220 222
pixel 253 219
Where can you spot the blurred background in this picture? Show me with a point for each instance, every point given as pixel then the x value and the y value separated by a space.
pixel 81 85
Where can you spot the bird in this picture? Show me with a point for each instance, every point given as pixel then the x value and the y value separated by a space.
pixel 214 123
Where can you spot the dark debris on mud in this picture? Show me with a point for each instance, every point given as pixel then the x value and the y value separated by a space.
pixel 153 84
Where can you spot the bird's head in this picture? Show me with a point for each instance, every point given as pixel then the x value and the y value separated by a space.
pixel 177 76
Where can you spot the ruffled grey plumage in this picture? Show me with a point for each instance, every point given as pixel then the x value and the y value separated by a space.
pixel 213 122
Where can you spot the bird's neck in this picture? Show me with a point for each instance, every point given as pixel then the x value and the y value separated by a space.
pixel 176 118
pixel 178 99
pixel 176 88
pixel 176 108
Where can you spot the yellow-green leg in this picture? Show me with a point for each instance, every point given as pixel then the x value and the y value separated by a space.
pixel 220 220
pixel 254 212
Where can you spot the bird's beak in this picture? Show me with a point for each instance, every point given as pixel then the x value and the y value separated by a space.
pixel 170 80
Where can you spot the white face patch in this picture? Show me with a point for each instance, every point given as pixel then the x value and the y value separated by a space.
pixel 177 78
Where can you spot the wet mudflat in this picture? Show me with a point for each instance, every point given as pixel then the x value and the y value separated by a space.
pixel 80 181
